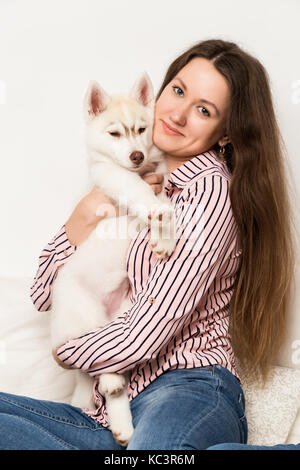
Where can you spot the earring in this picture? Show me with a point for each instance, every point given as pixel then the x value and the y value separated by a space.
pixel 222 150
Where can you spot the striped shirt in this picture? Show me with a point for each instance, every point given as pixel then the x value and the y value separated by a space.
pixel 180 305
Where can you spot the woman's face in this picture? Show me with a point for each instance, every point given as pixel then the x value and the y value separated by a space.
pixel 195 104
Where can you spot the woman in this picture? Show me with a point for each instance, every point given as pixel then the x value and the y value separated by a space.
pixel 214 118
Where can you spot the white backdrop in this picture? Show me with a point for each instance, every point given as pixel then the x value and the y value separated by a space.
pixel 49 51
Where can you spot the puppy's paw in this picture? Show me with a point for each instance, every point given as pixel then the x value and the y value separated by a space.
pixel 112 384
pixel 122 436
pixel 162 239
pixel 161 216
pixel 162 248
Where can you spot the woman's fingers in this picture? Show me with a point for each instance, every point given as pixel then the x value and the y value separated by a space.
pixel 60 363
pixel 157 188
pixel 156 178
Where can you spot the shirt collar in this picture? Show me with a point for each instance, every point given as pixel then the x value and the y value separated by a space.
pixel 194 167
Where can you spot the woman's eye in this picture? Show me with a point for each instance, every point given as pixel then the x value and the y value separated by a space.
pixel 115 134
pixel 141 130
pixel 205 112
pixel 175 88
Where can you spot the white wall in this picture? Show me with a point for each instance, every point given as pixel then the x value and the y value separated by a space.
pixel 50 49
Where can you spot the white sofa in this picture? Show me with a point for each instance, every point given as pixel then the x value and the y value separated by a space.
pixel 27 367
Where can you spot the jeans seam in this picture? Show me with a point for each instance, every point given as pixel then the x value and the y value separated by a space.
pixel 40 413
pixel 242 418
pixel 196 423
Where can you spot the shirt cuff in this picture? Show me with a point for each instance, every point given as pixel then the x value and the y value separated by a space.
pixel 64 351
pixel 63 246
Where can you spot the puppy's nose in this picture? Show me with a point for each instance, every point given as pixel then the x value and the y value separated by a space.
pixel 137 157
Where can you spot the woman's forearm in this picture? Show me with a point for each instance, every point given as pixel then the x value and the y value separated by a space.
pixel 84 218
pixel 76 230
pixel 77 233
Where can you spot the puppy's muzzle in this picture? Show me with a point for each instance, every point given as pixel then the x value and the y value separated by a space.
pixel 137 157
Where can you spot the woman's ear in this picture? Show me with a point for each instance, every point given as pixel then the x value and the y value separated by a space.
pixel 223 141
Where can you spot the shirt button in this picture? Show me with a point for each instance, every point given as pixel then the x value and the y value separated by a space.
pixel 66 253
pixel 151 300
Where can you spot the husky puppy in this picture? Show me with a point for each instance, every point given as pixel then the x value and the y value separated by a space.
pixel 120 149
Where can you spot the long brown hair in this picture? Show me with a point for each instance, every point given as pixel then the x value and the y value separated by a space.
pixel 260 202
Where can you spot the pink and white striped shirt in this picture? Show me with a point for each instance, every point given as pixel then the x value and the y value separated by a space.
pixel 180 305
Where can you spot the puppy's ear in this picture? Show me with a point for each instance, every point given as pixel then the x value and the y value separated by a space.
pixel 142 90
pixel 95 100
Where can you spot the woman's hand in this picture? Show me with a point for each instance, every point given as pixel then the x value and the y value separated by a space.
pixel 95 206
pixel 60 363
pixel 156 182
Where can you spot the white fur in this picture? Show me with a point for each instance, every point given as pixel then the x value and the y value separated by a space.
pixel 98 267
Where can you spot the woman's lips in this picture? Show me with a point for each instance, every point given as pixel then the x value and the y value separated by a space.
pixel 169 130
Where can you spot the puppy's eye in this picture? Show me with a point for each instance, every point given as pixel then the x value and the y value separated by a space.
pixel 115 134
pixel 141 130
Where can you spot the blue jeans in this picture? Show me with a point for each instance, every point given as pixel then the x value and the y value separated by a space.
pixel 233 446
pixel 181 409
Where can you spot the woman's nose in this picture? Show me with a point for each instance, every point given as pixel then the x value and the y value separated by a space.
pixel 178 117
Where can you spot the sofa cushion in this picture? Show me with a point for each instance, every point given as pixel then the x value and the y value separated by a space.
pixel 271 411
